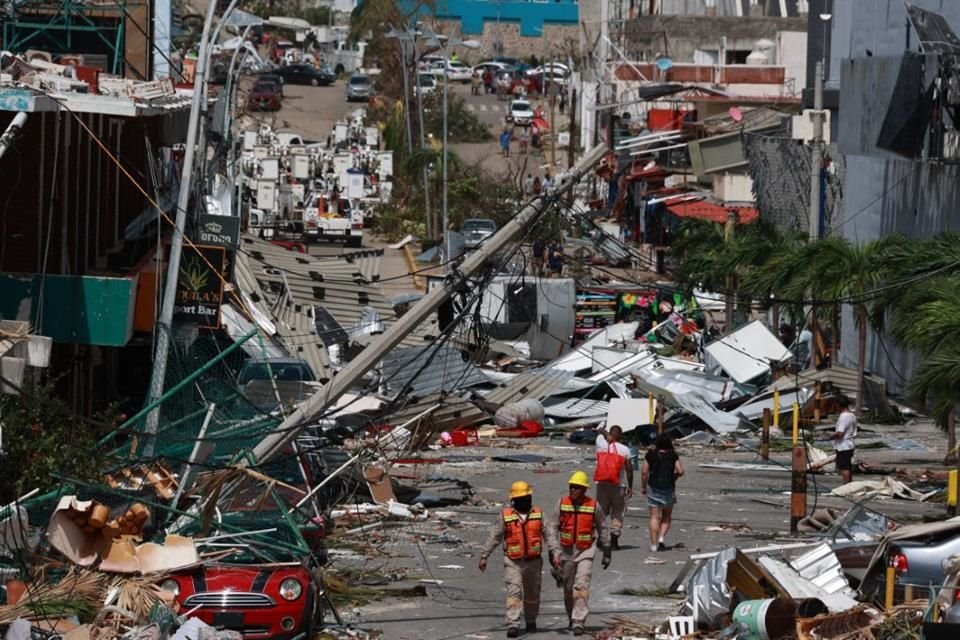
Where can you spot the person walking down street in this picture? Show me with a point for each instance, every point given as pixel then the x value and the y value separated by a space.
pixel 505 142
pixel 521 529
pixel 528 184
pixel 537 252
pixel 537 187
pixel 475 82
pixel 614 478
pixel 658 481
pixel 488 81
pixel 524 140
pixel 843 437
pixel 555 259
pixel 582 529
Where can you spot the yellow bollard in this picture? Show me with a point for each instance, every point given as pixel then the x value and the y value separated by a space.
pixel 776 408
pixel 650 409
pixel 888 592
pixel 796 423
pixel 952 491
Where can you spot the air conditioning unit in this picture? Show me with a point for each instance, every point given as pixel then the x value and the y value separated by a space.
pixel 802 126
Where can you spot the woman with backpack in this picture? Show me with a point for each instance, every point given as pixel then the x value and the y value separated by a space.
pixel 658 481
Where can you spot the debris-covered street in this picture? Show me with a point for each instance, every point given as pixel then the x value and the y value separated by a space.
pixel 625 321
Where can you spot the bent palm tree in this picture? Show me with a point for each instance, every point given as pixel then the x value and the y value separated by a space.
pixel 834 269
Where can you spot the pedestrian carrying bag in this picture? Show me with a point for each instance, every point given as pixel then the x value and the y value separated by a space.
pixel 609 464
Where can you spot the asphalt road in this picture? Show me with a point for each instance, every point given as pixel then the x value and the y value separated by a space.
pixel 751 507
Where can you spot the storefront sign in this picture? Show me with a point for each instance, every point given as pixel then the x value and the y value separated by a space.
pixel 222 231
pixel 200 286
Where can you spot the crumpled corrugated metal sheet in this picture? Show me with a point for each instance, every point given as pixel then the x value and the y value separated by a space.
pixel 453 412
pixel 577 408
pixel 427 370
pixel 536 383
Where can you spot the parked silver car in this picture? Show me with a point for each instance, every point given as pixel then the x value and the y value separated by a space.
pixel 476 230
pixel 359 87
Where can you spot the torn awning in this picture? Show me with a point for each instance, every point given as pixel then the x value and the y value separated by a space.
pixel 703 210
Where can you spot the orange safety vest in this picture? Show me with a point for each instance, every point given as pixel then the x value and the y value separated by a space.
pixel 522 540
pixel 576 523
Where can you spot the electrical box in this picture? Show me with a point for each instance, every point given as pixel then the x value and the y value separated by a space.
pixel 803 126
pixel 301 167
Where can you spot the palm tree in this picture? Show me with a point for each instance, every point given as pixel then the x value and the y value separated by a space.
pixel 921 319
pixel 834 269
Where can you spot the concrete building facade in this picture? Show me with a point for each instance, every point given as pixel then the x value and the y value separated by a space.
pixel 884 192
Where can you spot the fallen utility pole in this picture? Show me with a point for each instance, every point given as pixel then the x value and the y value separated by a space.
pixel 282 435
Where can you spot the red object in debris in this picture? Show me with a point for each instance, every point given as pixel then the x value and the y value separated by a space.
pixel 527 429
pixel 464 437
pixel 665 119
pixel 532 426
pixel 290 245
pixel 90 75
pixel 260 601
pixel 899 562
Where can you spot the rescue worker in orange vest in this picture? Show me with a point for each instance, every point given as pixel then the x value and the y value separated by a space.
pixel 580 524
pixel 521 529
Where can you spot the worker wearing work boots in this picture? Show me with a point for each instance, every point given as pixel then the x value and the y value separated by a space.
pixel 521 529
pixel 580 524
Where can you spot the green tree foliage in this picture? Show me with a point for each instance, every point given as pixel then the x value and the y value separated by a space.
pixel 44 441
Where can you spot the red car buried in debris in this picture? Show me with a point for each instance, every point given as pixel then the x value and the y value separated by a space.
pixel 260 601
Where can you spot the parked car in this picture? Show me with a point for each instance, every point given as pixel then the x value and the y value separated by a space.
pixel 557 68
pixel 426 84
pixel 271 77
pixel 268 383
pixel 264 96
pixel 359 87
pixel 920 561
pixel 259 601
pixel 476 230
pixel 518 83
pixel 491 65
pixel 307 74
pixel 547 76
pixel 520 113
pixel 290 369
pixel 455 71
pixel 515 63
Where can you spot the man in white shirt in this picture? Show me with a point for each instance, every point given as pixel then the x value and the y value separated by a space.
pixel 843 439
pixel 613 497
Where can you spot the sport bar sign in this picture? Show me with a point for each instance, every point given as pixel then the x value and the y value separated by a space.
pixel 200 286
pixel 221 231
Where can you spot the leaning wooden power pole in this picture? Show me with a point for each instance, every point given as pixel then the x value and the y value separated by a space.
pixel 276 442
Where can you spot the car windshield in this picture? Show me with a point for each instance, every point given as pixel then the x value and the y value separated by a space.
pixel 479 225
pixel 265 87
pixel 291 371
pixel 521 106
pixel 427 80
pixel 359 80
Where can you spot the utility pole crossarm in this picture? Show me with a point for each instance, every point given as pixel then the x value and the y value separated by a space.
pixel 275 442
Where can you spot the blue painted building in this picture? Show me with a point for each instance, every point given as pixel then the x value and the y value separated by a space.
pixel 531 15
